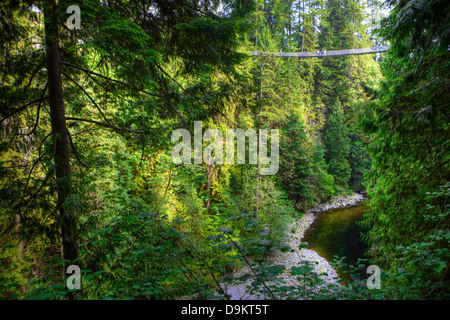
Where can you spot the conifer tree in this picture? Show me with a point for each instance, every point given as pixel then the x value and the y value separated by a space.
pixel 124 51
pixel 409 121
pixel 337 146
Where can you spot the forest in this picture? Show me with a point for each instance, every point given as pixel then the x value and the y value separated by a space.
pixel 125 171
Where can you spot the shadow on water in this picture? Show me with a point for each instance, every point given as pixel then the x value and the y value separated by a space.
pixel 336 232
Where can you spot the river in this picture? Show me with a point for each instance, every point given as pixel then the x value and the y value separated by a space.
pixel 329 229
pixel 336 232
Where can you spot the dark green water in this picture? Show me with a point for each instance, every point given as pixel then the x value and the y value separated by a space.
pixel 335 232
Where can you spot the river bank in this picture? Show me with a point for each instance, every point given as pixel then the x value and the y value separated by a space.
pixel 296 258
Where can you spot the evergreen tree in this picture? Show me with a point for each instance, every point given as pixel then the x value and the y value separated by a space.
pixel 409 178
pixel 337 146
pixel 302 166
pixel 125 51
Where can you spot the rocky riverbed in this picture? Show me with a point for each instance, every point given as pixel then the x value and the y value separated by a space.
pixel 296 258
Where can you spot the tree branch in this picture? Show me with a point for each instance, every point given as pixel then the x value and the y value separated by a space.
pixel 38 68
pixel 207 265
pixel 83 131
pixel 87 94
pixel 75 151
pixel 104 125
pixel 110 79
pixel 32 168
pixel 23 108
pixel 192 95
pixel 251 268
pixel 35 125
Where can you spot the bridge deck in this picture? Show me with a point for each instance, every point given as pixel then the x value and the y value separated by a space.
pixel 321 54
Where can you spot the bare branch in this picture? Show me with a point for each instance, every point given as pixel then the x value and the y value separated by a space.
pixel 88 95
pixel 33 74
pixel 36 123
pixel 75 152
pixel 105 125
pixel 110 79
pixel 83 131
pixel 32 168
pixel 23 108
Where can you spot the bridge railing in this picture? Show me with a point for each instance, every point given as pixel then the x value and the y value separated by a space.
pixel 321 54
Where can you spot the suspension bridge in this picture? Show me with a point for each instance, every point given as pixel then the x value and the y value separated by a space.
pixel 324 53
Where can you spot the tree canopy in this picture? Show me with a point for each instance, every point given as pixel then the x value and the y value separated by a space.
pixel 87 115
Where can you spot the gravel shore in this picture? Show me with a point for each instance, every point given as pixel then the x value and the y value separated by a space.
pixel 295 258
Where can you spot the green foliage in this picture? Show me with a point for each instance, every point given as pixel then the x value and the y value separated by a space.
pixel 336 135
pixel 409 147
pixel 146 228
pixel 302 166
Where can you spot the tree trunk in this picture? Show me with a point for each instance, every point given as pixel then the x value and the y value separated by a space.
pixel 208 187
pixel 209 181
pixel 60 133
pixel 19 234
pixel 258 167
